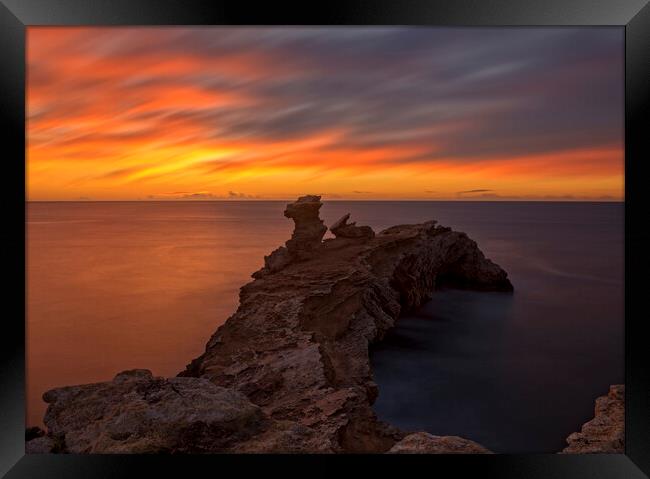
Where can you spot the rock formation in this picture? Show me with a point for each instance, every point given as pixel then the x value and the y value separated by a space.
pixel 343 229
pixel 138 413
pixel 309 228
pixel 290 368
pixel 605 433
pixel 425 443
pixel 307 235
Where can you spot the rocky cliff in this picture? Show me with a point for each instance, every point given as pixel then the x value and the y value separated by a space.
pixel 289 371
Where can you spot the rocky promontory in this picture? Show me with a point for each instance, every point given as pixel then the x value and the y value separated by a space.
pixel 289 371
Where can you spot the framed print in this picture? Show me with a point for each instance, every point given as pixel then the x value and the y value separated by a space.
pixel 249 237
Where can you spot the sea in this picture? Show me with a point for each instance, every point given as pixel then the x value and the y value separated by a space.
pixel 120 285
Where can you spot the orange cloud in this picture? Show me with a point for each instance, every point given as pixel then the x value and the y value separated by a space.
pixel 118 113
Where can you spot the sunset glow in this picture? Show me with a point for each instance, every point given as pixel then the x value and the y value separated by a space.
pixel 349 113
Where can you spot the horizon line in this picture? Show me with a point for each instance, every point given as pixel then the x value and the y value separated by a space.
pixel 253 200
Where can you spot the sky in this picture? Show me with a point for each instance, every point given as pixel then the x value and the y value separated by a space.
pixel 196 113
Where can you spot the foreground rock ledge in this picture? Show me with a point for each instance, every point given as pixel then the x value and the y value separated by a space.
pixel 294 355
pixel 425 443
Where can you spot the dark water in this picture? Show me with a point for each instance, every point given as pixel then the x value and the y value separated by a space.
pixel 112 286
pixel 515 373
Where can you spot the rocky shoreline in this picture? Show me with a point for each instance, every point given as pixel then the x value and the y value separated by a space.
pixel 289 371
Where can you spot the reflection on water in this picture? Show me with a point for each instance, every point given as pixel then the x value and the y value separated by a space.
pixel 112 286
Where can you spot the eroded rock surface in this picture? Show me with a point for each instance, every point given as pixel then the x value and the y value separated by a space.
pixel 425 443
pixel 605 433
pixel 289 371
pixel 139 413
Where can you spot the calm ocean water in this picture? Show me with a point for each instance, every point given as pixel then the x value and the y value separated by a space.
pixel 113 286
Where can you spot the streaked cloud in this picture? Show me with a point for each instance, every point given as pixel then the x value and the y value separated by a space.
pixel 126 112
pixel 473 191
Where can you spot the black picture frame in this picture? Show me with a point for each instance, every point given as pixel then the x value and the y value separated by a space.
pixel 633 15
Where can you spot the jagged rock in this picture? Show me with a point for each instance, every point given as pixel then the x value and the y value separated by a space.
pixel 425 443
pixel 139 413
pixel 309 228
pixel 605 433
pixel 289 371
pixel 343 229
